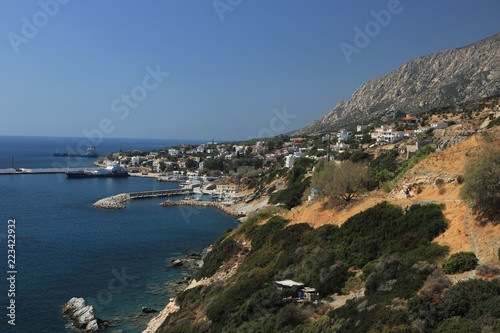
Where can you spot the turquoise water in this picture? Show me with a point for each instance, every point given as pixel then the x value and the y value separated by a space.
pixel 118 260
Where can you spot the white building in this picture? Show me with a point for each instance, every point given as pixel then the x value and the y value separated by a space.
pixel 361 128
pixel 173 152
pixel 439 125
pixel 343 135
pixel 289 161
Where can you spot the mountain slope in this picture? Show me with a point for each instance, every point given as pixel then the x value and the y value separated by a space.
pixel 440 79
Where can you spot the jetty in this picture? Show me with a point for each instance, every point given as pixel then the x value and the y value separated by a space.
pixel 38 171
pixel 158 193
pixel 117 201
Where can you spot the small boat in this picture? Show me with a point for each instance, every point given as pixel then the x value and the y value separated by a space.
pixel 91 153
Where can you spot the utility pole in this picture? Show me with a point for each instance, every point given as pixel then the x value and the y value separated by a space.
pixel 328 149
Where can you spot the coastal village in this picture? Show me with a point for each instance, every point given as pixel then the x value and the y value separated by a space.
pixel 211 160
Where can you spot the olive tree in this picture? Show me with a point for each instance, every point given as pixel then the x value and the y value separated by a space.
pixel 340 182
pixel 481 187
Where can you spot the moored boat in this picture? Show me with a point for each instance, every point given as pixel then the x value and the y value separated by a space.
pixel 114 170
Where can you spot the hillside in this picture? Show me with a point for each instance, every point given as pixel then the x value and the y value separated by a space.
pixel 377 264
pixel 464 233
pixel 440 79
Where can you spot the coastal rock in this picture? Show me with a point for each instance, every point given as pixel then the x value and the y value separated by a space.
pixel 176 263
pixel 114 202
pixel 81 315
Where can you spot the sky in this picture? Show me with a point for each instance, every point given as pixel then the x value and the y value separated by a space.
pixel 214 69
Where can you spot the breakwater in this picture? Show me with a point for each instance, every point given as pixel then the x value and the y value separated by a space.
pixel 117 201
pixel 226 208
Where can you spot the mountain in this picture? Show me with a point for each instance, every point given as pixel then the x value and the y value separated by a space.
pixel 440 79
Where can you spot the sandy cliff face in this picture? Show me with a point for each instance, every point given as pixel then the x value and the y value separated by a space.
pixel 440 79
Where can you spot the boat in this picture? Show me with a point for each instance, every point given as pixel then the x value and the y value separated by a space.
pixel 91 153
pixel 114 170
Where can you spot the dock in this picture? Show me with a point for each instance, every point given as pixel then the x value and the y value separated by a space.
pixel 158 193
pixel 39 171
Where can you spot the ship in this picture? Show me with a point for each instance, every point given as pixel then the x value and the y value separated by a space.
pixel 114 170
pixel 91 152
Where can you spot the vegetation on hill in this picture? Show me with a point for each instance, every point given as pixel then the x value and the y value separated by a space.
pixel 378 272
pixel 482 183
pixel 340 183
pixel 386 250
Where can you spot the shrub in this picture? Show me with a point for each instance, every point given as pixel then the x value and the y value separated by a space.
pixel 221 252
pixel 481 188
pixel 458 325
pixel 290 315
pixel 487 271
pixel 460 262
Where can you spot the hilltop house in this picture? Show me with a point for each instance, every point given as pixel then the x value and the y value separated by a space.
pixel 437 125
pixel 410 120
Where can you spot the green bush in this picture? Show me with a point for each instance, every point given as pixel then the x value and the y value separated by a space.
pixel 385 229
pixel 221 252
pixel 266 231
pixel 415 159
pixel 460 262
pixel 292 195
pixel 481 188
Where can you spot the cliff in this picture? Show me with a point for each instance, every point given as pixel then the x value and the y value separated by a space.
pixel 440 79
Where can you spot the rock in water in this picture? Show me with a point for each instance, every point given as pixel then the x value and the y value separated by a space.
pixel 176 263
pixel 81 315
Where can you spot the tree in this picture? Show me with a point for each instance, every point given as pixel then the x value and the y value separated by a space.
pixel 481 187
pixel 460 262
pixel 340 182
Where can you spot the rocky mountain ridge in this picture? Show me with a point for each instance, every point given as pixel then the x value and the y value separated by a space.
pixel 440 79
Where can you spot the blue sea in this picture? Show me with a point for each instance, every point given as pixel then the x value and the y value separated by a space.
pixel 117 260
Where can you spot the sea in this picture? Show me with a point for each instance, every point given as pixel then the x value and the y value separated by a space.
pixel 117 260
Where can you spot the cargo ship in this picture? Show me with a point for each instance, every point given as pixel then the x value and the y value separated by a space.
pixel 114 170
pixel 91 152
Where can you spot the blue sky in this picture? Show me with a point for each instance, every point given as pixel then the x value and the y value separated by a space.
pixel 224 69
